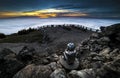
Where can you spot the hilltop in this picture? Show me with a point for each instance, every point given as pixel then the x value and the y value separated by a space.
pixel 46 38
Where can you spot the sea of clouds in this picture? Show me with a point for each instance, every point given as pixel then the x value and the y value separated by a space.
pixel 13 25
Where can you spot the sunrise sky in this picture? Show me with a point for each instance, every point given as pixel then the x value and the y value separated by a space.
pixel 60 8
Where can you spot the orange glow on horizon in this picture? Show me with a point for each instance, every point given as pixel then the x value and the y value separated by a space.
pixel 46 13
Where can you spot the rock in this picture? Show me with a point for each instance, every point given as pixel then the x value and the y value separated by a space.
pixel 97 64
pixel 94 35
pixel 109 70
pixel 26 54
pixel 105 51
pixel 53 58
pixel 58 73
pixel 115 52
pixel 75 64
pixel 85 42
pixel 113 32
pixel 98 58
pixel 93 54
pixel 113 29
pixel 9 65
pixel 54 65
pixel 118 37
pixel 45 61
pixel 34 71
pixel 92 41
pixel 104 40
pixel 7 53
pixel 95 47
pixel 54 55
pixel 102 29
pixel 86 73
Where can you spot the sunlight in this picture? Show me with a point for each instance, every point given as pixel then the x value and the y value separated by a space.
pixel 52 11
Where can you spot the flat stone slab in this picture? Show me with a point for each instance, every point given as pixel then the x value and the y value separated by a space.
pixel 73 66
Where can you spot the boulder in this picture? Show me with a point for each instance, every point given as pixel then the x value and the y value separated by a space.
pixel 34 71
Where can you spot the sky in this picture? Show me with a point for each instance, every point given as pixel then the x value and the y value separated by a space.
pixel 60 8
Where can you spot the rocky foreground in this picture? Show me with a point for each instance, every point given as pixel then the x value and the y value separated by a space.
pixel 99 57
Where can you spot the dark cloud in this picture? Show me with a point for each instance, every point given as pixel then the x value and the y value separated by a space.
pixel 23 5
pixel 96 8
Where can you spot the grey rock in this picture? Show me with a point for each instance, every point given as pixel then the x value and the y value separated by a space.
pixel 86 73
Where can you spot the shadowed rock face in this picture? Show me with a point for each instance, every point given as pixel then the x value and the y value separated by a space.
pixel 9 65
pixel 113 32
pixel 26 54
pixel 102 53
